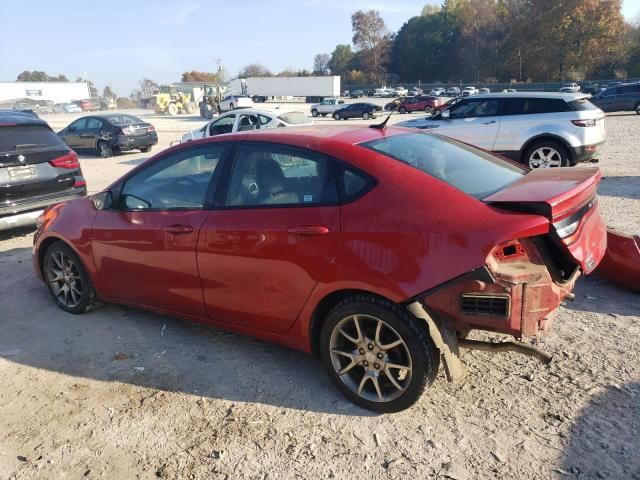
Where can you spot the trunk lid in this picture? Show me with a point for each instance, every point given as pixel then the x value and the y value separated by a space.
pixel 567 198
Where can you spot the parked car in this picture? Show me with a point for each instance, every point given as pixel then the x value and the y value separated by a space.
pixel 541 130
pixel 37 169
pixel 231 102
pixel 327 106
pixel 108 104
pixel 356 94
pixel 87 105
pixel 415 91
pixel 570 87
pixel 357 110
pixel 109 133
pixel 467 91
pixel 66 108
pixel 483 90
pixel 422 103
pixel 248 119
pixel 345 93
pixel 445 106
pixel 437 92
pixel 509 90
pixel 621 98
pixel 400 92
pixel 452 92
pixel 199 231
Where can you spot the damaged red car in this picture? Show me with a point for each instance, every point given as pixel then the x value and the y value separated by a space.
pixel 376 249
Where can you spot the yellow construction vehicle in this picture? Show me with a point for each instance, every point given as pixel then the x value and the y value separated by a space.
pixel 170 100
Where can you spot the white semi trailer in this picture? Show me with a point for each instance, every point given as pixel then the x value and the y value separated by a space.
pixel 313 89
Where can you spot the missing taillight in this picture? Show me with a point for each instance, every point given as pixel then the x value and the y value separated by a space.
pixel 508 251
pixel 70 161
pixel 151 128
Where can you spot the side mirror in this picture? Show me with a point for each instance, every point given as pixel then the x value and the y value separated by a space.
pixel 445 114
pixel 102 200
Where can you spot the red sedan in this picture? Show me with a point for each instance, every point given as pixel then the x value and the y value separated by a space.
pixel 421 103
pixel 376 249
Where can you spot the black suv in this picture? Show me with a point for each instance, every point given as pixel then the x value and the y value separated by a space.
pixel 36 169
pixel 109 133
pixel 619 98
pixel 364 110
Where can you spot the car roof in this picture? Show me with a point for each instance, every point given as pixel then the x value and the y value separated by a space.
pixel 255 111
pixel 16 117
pixel 567 96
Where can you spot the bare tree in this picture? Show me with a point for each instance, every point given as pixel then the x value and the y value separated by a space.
pixel 321 63
pixel 254 70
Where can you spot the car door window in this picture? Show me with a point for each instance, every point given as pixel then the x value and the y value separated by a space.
pixel 222 125
pixel 248 122
pixel 278 175
pixel 94 124
pixel 78 125
pixel 179 181
pixel 475 108
pixel 610 92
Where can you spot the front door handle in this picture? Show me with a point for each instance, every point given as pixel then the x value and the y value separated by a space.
pixel 309 230
pixel 490 122
pixel 178 229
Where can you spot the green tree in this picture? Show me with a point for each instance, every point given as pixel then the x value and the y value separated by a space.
pixel 340 60
pixel 254 70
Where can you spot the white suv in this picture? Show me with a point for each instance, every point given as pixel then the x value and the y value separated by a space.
pixel 537 129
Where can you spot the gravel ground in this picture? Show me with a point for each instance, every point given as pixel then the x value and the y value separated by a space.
pixel 120 393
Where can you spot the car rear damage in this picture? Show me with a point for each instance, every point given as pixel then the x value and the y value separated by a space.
pixel 524 281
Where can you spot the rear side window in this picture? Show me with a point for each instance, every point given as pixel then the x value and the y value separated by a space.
pixel 352 183
pixel 27 137
pixel 581 105
pixel 530 106
pixel 472 171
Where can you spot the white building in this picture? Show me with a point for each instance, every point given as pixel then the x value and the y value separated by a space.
pixel 57 92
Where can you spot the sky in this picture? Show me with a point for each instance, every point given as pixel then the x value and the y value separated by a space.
pixel 122 42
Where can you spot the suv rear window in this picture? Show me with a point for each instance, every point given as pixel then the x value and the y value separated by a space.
pixel 473 171
pixel 529 106
pixel 581 104
pixel 27 137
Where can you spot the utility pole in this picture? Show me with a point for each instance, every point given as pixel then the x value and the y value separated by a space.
pixel 520 59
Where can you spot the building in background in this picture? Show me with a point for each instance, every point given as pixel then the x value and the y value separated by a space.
pixel 35 92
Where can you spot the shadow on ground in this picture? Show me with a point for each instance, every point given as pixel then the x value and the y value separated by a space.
pixel 599 445
pixel 620 187
pixel 125 345
pixel 595 294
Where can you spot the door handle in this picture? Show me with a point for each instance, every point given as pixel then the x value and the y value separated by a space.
pixel 86 135
pixel 178 229
pixel 309 230
pixel 489 123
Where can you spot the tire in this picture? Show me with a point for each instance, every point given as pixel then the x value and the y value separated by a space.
pixel 428 109
pixel 145 149
pixel 437 111
pixel 172 109
pixel 61 260
pixel 402 110
pixel 365 116
pixel 337 116
pixel 314 112
pixel 637 108
pixel 546 154
pixel 416 351
pixel 105 150
pixel 191 107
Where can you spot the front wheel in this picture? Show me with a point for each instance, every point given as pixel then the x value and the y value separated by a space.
pixel 172 109
pixel 365 116
pixel 637 108
pixel 546 154
pixel 67 280
pixel 191 107
pixel 377 354
pixel 435 112
pixel 314 112
pixel 337 116
pixel 428 109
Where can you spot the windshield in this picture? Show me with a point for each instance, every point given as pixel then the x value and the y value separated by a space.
pixel 473 171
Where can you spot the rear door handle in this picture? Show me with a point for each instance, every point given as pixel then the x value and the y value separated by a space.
pixel 178 229
pixel 489 123
pixel 309 230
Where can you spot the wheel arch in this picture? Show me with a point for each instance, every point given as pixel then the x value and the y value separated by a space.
pixel 549 136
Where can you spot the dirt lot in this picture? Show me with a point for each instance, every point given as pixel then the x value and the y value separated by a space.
pixel 121 394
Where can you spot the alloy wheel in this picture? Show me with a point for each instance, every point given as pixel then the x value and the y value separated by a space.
pixel 370 358
pixel 545 157
pixel 64 277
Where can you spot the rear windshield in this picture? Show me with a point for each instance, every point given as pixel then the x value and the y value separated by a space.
pixel 473 171
pixel 124 119
pixel 27 137
pixel 294 118
pixel 582 104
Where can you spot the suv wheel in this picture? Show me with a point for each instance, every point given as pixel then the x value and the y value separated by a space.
pixel 377 354
pixel 67 279
pixel 314 112
pixel 546 154
pixel 428 109
pixel 402 110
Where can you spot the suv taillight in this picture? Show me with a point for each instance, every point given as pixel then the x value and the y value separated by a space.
pixel 584 123
pixel 151 128
pixel 70 161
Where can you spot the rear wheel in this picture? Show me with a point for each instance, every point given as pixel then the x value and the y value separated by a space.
pixel 191 107
pixel 402 110
pixel 314 112
pixel 428 109
pixel 546 154
pixel 337 116
pixel 377 354
pixel 67 280
pixel 365 116
pixel 435 112
pixel 637 108
pixel 145 149
pixel 105 150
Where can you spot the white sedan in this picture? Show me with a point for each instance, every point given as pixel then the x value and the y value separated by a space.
pixel 247 119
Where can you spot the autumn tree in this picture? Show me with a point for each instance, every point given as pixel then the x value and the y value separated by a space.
pixel 205 77
pixel 370 36
pixel 108 93
pixel 321 63
pixel 40 76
